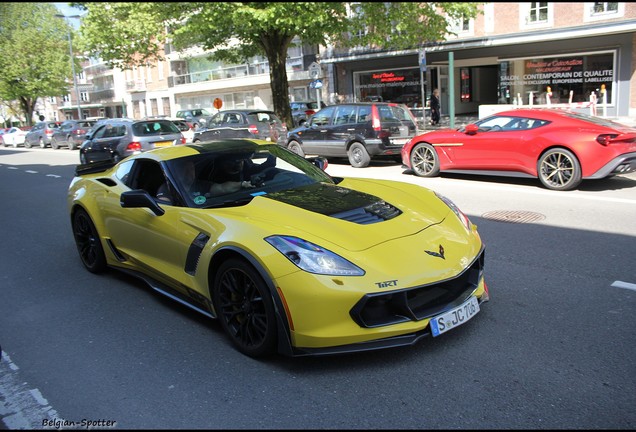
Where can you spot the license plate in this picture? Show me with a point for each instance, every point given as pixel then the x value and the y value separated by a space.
pixel 163 143
pixel 399 141
pixel 454 317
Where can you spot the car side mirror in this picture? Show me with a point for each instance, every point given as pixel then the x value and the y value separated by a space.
pixel 140 199
pixel 471 129
pixel 319 161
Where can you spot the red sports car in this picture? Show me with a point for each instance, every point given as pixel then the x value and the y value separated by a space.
pixel 559 147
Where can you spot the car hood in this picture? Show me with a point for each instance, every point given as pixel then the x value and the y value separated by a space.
pixel 356 215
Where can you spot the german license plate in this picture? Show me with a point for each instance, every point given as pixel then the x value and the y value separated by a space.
pixel 163 143
pixel 454 317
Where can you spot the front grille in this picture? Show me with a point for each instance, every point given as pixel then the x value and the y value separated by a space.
pixel 376 212
pixel 418 303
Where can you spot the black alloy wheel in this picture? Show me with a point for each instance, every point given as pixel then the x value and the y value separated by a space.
pixel 88 242
pixel 245 308
pixel 424 160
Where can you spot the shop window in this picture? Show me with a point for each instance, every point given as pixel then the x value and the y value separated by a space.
pixel 465 87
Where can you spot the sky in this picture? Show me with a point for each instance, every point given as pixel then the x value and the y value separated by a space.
pixel 66 9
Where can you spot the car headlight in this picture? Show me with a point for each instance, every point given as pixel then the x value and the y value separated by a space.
pixel 460 214
pixel 312 258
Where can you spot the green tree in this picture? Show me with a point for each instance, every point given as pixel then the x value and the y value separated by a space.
pixel 34 54
pixel 128 34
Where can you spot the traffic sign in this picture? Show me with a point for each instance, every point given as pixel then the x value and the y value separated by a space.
pixel 315 71
pixel 218 103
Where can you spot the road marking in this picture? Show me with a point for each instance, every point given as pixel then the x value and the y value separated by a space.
pixel 626 285
pixel 11 167
pixel 53 175
pixel 21 407
pixel 31 171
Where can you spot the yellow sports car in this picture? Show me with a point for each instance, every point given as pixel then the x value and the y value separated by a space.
pixel 288 258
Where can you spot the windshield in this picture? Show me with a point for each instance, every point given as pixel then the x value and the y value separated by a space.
pixel 235 176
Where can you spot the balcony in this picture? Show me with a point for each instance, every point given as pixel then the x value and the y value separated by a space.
pixel 136 85
pixel 102 96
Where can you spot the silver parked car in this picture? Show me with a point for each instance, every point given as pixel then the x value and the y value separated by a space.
pixel 113 140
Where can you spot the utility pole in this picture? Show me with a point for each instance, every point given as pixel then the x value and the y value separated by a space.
pixel 70 45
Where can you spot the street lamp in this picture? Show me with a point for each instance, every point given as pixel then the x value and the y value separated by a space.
pixel 70 45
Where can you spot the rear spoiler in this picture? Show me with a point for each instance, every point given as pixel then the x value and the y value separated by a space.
pixel 92 168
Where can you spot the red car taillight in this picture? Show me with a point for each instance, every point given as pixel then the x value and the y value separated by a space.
pixel 183 140
pixel 134 146
pixel 80 132
pixel 375 118
pixel 253 129
pixel 605 139
pixel 310 112
pixel 48 132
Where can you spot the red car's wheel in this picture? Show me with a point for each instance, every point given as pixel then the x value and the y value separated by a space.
pixel 245 308
pixel 424 160
pixel 559 169
pixel 88 243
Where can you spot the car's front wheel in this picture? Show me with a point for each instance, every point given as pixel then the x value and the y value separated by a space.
pixel 27 144
pixel 559 169
pixel 245 308
pixel 88 242
pixel 424 160
pixel 54 144
pixel 42 144
pixel 358 155
pixel 295 147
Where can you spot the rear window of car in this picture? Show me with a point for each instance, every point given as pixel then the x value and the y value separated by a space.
pixel 159 127
pixel 263 117
pixel 395 113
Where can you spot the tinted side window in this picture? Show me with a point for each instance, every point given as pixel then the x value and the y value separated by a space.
pixel 364 114
pixel 322 117
pixel 344 115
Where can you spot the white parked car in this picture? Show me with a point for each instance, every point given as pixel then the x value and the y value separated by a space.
pixel 14 137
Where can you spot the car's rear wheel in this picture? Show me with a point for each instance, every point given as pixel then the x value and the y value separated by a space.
pixel 424 160
pixel 42 145
pixel 559 169
pixel 295 147
pixel 245 308
pixel 88 242
pixel 358 155
pixel 27 144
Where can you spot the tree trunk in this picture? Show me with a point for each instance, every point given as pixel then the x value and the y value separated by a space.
pixel 276 51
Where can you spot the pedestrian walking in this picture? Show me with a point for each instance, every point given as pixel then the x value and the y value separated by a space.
pixel 435 108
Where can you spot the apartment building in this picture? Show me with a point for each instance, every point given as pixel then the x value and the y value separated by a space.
pixel 511 53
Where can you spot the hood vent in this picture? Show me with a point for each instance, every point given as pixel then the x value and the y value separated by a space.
pixel 376 212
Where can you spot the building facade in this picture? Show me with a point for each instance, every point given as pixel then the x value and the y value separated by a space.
pixel 512 53
pixel 529 53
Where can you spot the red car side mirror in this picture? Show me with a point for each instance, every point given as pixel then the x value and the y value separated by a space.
pixel 471 129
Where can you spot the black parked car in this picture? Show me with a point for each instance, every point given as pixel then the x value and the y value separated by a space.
pixel 358 131
pixel 193 116
pixel 302 110
pixel 41 134
pixel 115 139
pixel 71 134
pixel 243 123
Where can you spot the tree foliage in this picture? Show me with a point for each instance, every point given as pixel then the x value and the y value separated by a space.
pixel 34 54
pixel 128 34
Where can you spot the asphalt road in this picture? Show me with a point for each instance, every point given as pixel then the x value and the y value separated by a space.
pixel 553 349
